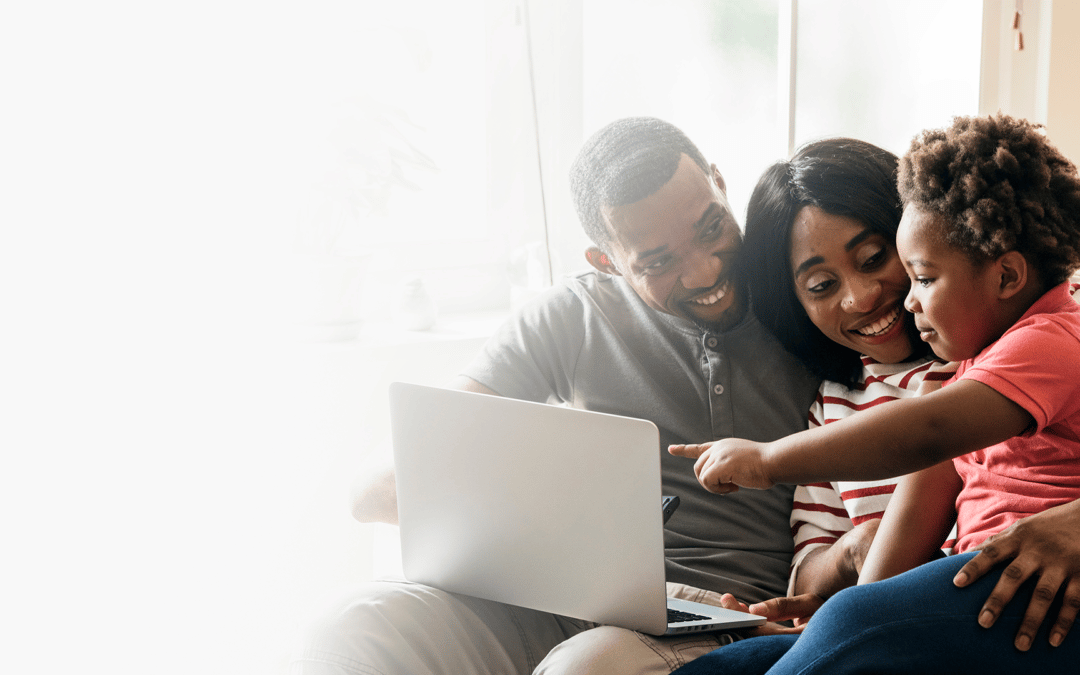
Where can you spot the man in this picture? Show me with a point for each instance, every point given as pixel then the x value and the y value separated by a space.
pixel 659 330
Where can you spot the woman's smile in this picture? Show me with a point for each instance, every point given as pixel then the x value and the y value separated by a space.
pixel 880 326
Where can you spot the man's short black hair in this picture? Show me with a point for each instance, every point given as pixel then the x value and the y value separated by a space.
pixel 623 163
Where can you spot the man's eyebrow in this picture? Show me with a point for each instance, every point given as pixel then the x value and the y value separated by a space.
pixel 651 252
pixel 708 216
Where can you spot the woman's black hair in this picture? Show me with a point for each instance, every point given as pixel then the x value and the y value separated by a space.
pixel 841 176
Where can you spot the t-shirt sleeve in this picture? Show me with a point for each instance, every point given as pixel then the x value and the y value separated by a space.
pixel 533 354
pixel 1035 365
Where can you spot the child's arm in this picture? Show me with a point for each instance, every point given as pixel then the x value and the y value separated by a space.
pixel 892 439
pixel 916 523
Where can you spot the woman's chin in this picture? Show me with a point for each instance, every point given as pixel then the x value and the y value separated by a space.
pixel 896 350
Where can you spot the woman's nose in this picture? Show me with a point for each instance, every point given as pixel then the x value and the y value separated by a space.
pixel 862 295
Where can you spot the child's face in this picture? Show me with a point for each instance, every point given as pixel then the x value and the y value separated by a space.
pixel 953 300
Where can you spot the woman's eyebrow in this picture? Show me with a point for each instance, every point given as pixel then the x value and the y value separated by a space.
pixel 807 264
pixel 858 239
pixel 817 260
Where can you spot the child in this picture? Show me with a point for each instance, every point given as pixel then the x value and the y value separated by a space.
pixel 989 237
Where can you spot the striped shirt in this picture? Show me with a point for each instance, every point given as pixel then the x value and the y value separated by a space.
pixel 822 512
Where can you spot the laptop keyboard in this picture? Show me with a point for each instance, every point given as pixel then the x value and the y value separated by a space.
pixel 676 616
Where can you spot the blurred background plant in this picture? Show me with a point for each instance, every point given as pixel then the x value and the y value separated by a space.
pixel 370 159
pixel 373 157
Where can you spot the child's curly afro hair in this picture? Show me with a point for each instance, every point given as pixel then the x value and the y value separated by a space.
pixel 1001 186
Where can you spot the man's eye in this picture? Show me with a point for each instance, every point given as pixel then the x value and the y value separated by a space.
pixel 655 266
pixel 712 229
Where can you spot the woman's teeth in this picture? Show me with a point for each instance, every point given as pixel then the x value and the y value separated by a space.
pixel 881 325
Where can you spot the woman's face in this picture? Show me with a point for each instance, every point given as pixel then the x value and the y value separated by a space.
pixel 851 283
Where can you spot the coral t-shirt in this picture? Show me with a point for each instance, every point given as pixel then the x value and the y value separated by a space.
pixel 1035 364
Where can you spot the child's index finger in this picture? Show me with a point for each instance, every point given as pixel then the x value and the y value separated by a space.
pixel 692 450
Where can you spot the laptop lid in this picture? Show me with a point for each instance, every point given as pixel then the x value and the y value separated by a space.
pixel 535 505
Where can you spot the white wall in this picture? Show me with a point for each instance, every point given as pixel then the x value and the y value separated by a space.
pixel 1039 82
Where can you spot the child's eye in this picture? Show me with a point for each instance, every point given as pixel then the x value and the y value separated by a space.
pixel 923 281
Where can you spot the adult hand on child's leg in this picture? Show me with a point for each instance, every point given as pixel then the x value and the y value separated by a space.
pixel 1045 545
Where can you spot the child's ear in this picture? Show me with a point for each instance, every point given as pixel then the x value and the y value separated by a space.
pixel 1013 271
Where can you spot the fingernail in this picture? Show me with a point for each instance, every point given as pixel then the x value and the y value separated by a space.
pixel 986 618
pixel 1023 642
pixel 1056 638
pixel 960 579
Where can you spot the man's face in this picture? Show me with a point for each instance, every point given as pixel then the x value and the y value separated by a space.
pixel 676 247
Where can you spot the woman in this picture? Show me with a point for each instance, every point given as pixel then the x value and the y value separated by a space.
pixel 836 302
pixel 835 299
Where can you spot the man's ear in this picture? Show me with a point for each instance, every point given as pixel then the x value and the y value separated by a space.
pixel 718 179
pixel 601 261
pixel 1011 274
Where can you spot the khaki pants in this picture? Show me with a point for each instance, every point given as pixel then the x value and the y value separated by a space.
pixel 399 628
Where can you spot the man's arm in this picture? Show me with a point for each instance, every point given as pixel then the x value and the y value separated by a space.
pixel 374 492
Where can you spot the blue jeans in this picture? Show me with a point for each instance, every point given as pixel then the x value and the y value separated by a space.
pixel 917 622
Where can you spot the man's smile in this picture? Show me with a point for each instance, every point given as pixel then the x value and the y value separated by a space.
pixel 712 297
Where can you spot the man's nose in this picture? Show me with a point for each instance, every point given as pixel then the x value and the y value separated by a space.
pixel 701 270
pixel 862 295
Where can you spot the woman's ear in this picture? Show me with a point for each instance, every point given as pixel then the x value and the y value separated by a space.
pixel 1013 274
pixel 601 261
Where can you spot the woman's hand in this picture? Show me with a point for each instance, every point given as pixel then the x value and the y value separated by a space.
pixel 728 601
pixel 725 465
pixel 1046 545
pixel 798 608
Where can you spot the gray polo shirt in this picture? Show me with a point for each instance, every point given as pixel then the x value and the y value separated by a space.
pixel 592 343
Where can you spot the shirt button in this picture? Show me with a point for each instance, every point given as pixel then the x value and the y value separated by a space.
pixel 718 389
pixel 711 343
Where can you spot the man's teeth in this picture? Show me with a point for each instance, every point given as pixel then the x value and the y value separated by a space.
pixel 711 299
pixel 880 325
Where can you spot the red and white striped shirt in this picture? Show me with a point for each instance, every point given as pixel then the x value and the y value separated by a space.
pixel 822 512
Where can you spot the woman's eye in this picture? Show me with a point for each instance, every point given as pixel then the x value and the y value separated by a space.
pixel 818 289
pixel 875 259
pixel 923 281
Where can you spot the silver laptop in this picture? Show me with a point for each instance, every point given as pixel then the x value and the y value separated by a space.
pixel 541 506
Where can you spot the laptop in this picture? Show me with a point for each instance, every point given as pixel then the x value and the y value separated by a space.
pixel 540 506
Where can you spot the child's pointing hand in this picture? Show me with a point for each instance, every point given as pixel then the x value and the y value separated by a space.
pixel 725 465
